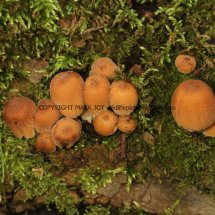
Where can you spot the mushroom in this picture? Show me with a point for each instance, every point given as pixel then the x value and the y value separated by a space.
pixel 46 115
pixel 66 132
pixel 66 90
pixel 123 97
pixel 127 124
pixel 193 105
pixel 96 94
pixel 105 123
pixel 185 63
pixel 45 142
pixel 87 116
pixel 104 66
pixel 210 132
pixel 18 114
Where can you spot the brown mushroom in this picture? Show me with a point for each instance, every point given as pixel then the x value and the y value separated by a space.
pixel 210 132
pixel 105 123
pixel 45 142
pixel 185 63
pixel 96 94
pixel 66 90
pixel 193 105
pixel 127 124
pixel 66 132
pixel 18 114
pixel 104 66
pixel 123 97
pixel 46 115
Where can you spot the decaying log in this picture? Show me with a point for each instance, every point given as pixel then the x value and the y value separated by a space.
pixel 153 196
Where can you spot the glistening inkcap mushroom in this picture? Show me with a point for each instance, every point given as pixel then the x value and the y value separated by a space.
pixel 210 132
pixel 45 142
pixel 104 66
pixel 46 115
pixel 185 63
pixel 105 123
pixel 66 90
pixel 18 114
pixel 96 94
pixel 123 97
pixel 66 132
pixel 193 105
pixel 127 124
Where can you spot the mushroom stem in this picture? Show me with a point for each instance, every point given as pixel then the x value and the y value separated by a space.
pixel 123 146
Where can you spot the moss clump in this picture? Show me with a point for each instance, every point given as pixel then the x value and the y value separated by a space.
pixel 91 179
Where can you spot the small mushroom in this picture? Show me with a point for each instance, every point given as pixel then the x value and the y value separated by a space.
pixel 87 116
pixel 127 124
pixel 193 105
pixel 18 114
pixel 46 115
pixel 66 132
pixel 123 97
pixel 210 132
pixel 105 123
pixel 45 142
pixel 66 90
pixel 104 66
pixel 96 94
pixel 185 63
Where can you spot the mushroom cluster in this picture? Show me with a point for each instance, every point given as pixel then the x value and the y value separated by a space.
pixel 56 120
pixel 193 101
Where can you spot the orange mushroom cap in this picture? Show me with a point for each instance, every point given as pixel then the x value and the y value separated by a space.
pixel 127 124
pixel 66 90
pixel 193 105
pixel 104 66
pixel 185 63
pixel 105 123
pixel 66 132
pixel 123 97
pixel 45 142
pixel 96 94
pixel 210 132
pixel 18 114
pixel 46 115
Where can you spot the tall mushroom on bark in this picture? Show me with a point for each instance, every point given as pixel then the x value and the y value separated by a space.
pixel 46 115
pixel 18 114
pixel 193 105
pixel 123 97
pixel 104 66
pixel 66 132
pixel 96 95
pixel 126 124
pixel 66 90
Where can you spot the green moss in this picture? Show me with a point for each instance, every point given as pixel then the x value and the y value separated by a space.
pixel 33 174
pixel 93 178
pixel 98 209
